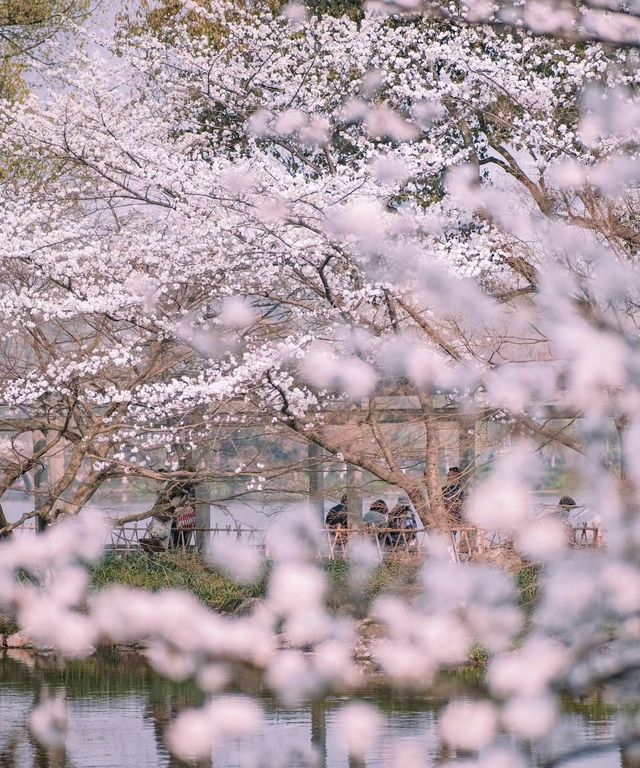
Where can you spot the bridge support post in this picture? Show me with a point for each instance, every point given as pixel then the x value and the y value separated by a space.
pixel 316 480
pixel 354 496
pixel 467 450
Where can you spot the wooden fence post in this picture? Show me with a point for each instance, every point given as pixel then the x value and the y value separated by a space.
pixel 354 496
pixel 315 472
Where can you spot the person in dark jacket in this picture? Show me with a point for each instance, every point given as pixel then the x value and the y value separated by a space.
pixel 337 516
pixel 453 496
pixel 402 519
pixel 566 509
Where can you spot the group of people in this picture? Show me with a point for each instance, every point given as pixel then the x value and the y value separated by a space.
pixel 398 522
pixel 402 515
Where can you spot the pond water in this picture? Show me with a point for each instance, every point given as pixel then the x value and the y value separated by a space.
pixel 118 710
pixel 253 511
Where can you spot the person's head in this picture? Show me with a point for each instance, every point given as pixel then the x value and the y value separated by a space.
pixel 380 506
pixel 454 472
pixel 566 502
pixel 343 498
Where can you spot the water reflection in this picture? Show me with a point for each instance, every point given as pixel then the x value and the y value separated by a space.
pixel 118 711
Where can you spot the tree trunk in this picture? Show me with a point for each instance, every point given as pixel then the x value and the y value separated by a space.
pixel 621 423
pixel 40 482
pixel 3 522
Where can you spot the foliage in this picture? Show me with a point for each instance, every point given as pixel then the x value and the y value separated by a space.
pixel 389 577
pixel 26 27
pixel 7 626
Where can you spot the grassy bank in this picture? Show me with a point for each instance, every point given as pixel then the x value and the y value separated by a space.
pixel 178 570
pixel 186 571
pixel 214 589
pixel 175 571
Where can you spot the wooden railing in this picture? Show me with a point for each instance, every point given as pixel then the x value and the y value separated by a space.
pixel 588 535
pixel 466 542
pixel 130 538
pixel 331 543
pixel 389 542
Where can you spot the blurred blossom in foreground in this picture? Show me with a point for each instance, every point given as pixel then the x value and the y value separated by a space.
pixel 359 725
pixel 243 562
pixel 48 721
pixel 196 733
pixel 468 725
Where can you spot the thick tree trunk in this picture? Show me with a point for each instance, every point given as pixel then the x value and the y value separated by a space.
pixel 86 490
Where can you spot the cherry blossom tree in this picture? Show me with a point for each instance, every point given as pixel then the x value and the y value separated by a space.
pixel 271 214
pixel 345 215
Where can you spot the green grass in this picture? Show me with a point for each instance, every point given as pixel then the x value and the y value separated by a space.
pixel 175 571
pixel 527 586
pixel 178 570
